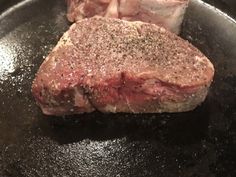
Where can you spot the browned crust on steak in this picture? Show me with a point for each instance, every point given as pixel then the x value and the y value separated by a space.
pixel 95 51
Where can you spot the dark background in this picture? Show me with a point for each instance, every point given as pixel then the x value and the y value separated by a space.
pixel 200 143
pixel 228 6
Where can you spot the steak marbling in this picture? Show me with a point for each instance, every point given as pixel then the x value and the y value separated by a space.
pixel 113 65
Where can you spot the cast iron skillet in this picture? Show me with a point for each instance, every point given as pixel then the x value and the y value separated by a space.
pixel 201 143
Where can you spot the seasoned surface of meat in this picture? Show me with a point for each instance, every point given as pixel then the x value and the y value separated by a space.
pixel 113 65
pixel 167 13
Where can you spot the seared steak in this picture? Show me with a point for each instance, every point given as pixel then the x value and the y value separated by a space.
pixel 167 13
pixel 113 65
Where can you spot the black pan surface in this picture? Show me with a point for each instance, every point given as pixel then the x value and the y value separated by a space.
pixel 201 143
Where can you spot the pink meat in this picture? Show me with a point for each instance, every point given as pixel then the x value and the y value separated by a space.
pixel 113 65
pixel 167 13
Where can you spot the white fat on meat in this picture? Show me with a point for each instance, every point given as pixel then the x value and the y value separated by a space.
pixel 166 13
pixel 112 9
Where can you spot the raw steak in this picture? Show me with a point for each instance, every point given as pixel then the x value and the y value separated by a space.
pixel 167 13
pixel 113 65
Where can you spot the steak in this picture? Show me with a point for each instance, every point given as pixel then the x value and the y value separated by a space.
pixel 111 65
pixel 167 13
